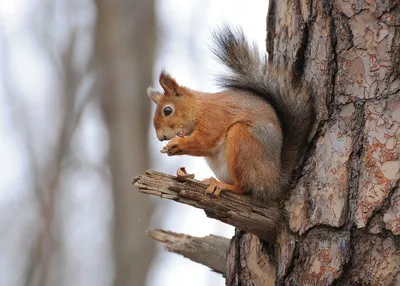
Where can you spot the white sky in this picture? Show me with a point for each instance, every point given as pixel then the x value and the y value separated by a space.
pixel 185 53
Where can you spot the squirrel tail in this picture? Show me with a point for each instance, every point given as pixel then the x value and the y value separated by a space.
pixel 291 99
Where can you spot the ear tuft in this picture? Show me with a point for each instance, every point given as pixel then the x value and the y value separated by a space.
pixel 154 95
pixel 168 83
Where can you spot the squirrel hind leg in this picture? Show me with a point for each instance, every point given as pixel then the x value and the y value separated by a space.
pixel 254 163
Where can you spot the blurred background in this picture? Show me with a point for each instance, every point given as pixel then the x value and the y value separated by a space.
pixel 75 127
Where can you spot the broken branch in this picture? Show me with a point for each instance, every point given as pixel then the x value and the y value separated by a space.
pixel 237 210
pixel 210 250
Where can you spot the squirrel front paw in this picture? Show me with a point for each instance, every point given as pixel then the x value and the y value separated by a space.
pixel 174 147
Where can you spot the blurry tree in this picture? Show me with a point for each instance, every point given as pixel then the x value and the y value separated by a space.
pixel 47 132
pixel 85 67
pixel 125 47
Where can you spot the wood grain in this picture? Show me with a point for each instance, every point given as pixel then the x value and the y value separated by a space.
pixel 210 250
pixel 237 210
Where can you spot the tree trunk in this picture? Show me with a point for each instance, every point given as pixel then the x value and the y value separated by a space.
pixel 125 45
pixel 344 211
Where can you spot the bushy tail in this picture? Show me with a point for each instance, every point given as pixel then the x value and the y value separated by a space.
pixel 290 98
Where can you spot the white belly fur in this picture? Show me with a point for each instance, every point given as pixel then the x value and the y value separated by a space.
pixel 218 164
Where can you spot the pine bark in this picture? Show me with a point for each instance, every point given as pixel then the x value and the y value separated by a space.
pixel 344 210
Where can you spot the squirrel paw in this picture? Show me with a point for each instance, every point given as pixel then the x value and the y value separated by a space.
pixel 173 147
pixel 215 188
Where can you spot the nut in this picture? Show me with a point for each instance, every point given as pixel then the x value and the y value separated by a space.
pixel 182 175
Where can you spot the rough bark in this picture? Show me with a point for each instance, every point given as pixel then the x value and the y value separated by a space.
pixel 210 250
pixel 125 54
pixel 253 266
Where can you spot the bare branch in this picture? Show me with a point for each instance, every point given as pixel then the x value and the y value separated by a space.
pixel 236 210
pixel 210 250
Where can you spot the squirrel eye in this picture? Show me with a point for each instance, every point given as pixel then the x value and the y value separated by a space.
pixel 167 111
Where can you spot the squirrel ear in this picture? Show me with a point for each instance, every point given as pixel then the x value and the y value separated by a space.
pixel 169 85
pixel 154 95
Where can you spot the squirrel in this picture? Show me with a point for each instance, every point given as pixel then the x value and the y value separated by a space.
pixel 252 134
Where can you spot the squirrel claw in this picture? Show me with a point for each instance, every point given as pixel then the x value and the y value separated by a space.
pixel 173 147
pixel 214 189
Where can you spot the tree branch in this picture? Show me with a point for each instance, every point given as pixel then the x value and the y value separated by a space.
pixel 237 210
pixel 210 250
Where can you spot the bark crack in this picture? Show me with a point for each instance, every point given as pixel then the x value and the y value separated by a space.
pixel 355 157
pixel 299 62
pixel 385 204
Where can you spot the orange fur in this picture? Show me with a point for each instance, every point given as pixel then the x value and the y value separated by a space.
pixel 210 120
pixel 252 135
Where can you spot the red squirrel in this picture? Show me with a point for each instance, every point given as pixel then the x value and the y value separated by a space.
pixel 252 134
